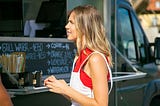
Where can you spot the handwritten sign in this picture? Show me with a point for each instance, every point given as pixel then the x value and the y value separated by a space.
pixel 50 56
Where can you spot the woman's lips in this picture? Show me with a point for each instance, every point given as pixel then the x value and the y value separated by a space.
pixel 68 33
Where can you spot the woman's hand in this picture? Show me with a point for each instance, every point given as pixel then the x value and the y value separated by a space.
pixel 54 85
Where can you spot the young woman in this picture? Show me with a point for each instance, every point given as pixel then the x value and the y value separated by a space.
pixel 91 72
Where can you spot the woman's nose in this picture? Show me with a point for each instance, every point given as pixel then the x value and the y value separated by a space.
pixel 67 26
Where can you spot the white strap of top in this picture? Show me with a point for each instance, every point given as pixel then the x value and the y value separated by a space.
pixel 110 73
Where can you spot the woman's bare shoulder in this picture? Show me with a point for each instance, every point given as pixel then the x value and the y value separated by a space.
pixel 96 57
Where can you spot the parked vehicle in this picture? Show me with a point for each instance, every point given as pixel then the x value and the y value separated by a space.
pixel 135 71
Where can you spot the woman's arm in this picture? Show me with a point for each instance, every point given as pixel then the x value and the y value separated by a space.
pixel 4 97
pixel 99 73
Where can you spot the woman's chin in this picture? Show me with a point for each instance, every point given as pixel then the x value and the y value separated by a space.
pixel 71 39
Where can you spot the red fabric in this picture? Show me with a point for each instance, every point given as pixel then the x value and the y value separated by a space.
pixel 86 80
pixel 83 55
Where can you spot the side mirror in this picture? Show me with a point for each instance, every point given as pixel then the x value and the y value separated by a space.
pixel 157 50
pixel 130 50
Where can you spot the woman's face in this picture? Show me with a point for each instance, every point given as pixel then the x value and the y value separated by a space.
pixel 71 28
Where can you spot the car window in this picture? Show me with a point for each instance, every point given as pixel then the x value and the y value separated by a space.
pixel 139 37
pixel 127 39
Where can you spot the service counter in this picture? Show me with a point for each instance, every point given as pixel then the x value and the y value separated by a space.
pixel 40 96
pixel 27 90
pixel 37 97
pixel 117 76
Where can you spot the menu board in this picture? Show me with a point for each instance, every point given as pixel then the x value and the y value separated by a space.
pixel 49 55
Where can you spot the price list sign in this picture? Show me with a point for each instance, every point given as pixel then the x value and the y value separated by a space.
pixel 49 57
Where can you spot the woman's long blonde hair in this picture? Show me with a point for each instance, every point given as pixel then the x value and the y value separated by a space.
pixel 89 25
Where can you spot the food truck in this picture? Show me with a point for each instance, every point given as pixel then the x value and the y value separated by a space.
pixel 33 46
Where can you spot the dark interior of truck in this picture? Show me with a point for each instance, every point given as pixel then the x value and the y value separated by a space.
pixel 54 13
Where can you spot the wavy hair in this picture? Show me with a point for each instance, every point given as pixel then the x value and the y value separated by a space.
pixel 89 25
